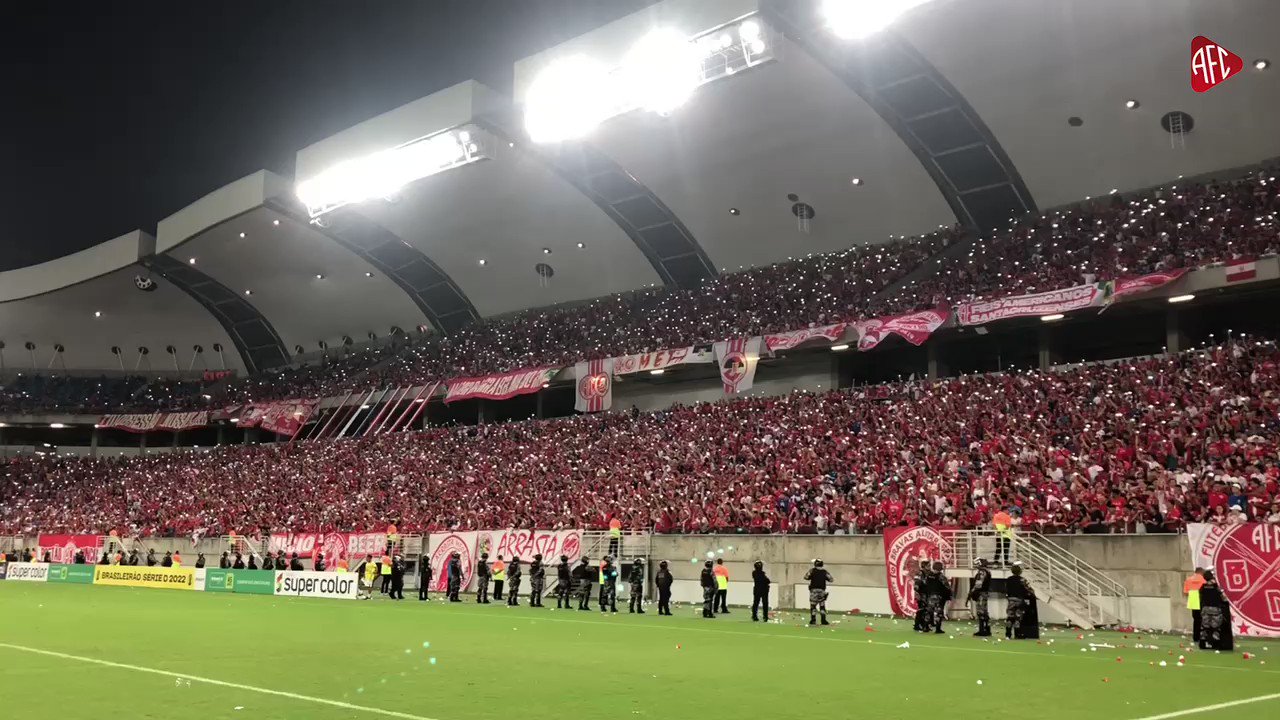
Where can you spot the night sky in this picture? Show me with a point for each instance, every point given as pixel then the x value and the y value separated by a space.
pixel 116 114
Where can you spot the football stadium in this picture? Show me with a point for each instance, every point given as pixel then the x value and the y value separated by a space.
pixel 683 358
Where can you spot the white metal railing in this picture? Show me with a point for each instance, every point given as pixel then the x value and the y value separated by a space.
pixel 1055 572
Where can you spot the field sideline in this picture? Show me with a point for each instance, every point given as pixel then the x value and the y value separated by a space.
pixel 72 652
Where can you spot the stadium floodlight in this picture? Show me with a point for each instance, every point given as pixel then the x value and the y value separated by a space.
pixel 661 71
pixel 383 173
pixel 1182 298
pixel 857 19
pixel 568 99
pixel 1052 318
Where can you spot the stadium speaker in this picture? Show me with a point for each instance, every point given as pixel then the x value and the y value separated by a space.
pixel 145 284
pixel 297 349
pixel 1 344
pixel 115 350
pixel 57 347
pixel 30 345
pixel 217 347
pixel 323 345
pixel 170 349
pixel 144 350
pixel 197 349
pixel 347 341
pixel 373 335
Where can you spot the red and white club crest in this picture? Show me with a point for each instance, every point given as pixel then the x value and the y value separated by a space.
pixel 594 386
pixel 735 366
pixel 572 546
pixel 1246 560
pixel 440 562
pixel 1211 64
pixel 903 559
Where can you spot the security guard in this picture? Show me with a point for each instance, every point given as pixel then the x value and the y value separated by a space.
pixel 708 582
pixel 663 580
pixel 482 579
pixel 537 581
pixel 384 569
pixel 608 586
pixel 979 592
pixel 615 536
pixel 424 577
pixel 722 587
pixel 818 578
pixel 1019 595
pixel 455 576
pixel 582 580
pixel 1192 588
pixel 937 591
pixel 1003 523
pixel 513 592
pixel 499 577
pixel 759 591
pixel 917 586
pixel 635 604
pixel 564 583
pixel 397 577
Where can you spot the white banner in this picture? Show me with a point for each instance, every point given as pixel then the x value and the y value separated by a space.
pixel 1045 303
pixel 524 544
pixel 306 583
pixel 28 572
pixel 594 385
pixel 645 362
pixel 737 359
pixel 442 546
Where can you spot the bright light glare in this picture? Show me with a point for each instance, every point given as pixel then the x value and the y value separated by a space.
pixel 661 71
pixel 1051 318
pixel 1182 298
pixel 568 99
pixel 382 173
pixel 857 19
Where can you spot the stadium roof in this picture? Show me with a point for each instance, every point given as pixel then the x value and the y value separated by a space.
pixel 958 113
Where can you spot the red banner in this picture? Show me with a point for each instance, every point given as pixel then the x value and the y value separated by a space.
pixel 285 417
pixel 524 544
pixel 794 338
pixel 499 386
pixel 149 422
pixel 1145 283
pixel 336 546
pixel 62 548
pixel 904 548
pixel 914 327
pixel 627 364
pixel 215 375
pixel 1246 561
pixel 594 384
pixel 1045 303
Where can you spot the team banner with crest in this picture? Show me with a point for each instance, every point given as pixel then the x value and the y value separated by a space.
pixel 737 359
pixel 284 417
pixel 794 338
pixel 659 360
pixel 150 422
pixel 500 386
pixel 594 385
pixel 904 548
pixel 509 543
pixel 336 546
pixel 1045 303
pixel 914 327
pixel 1246 562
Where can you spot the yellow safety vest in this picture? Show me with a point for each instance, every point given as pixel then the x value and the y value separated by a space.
pixel 370 572
pixel 1193 600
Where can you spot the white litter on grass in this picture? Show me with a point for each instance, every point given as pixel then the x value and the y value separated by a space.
pixel 239 707
pixel 905 646
pixel 1101 645
pixel 1163 663
pixel 979 682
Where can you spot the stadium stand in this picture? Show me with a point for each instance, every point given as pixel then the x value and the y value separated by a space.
pixel 1137 446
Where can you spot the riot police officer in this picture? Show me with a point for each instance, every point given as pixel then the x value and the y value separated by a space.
pixel 979 592
pixel 818 577
pixel 537 581
pixel 635 604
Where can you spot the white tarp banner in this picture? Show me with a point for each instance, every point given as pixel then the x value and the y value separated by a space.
pixel 524 544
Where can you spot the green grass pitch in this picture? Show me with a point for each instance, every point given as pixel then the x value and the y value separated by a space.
pixel 186 655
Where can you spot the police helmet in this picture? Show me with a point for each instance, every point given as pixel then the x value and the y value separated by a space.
pixel 707 563
pixel 537 556
pixel 564 558
pixel 817 562
pixel 759 565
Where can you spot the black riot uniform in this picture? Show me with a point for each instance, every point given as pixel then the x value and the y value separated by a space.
pixel 564 583
pixel 424 577
pixel 663 581
pixel 397 577
pixel 818 577
pixel 759 592
pixel 455 577
pixel 482 579
pixel 282 563
pixel 917 585
pixel 937 591
pixel 608 586
pixel 979 592
pixel 1019 595
pixel 635 604
pixel 537 581
pixel 513 581
pixel 582 583
pixel 708 582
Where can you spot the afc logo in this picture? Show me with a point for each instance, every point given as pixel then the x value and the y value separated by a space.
pixel 1211 64
pixel 594 386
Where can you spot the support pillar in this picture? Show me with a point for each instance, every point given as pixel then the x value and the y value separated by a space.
pixel 1047 356
pixel 538 412
pixel 93 442
pixel 222 433
pixel 1175 339
pixel 937 368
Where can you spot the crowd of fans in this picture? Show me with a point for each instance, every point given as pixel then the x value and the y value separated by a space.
pixel 1116 236
pixel 1137 446
pixel 29 393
